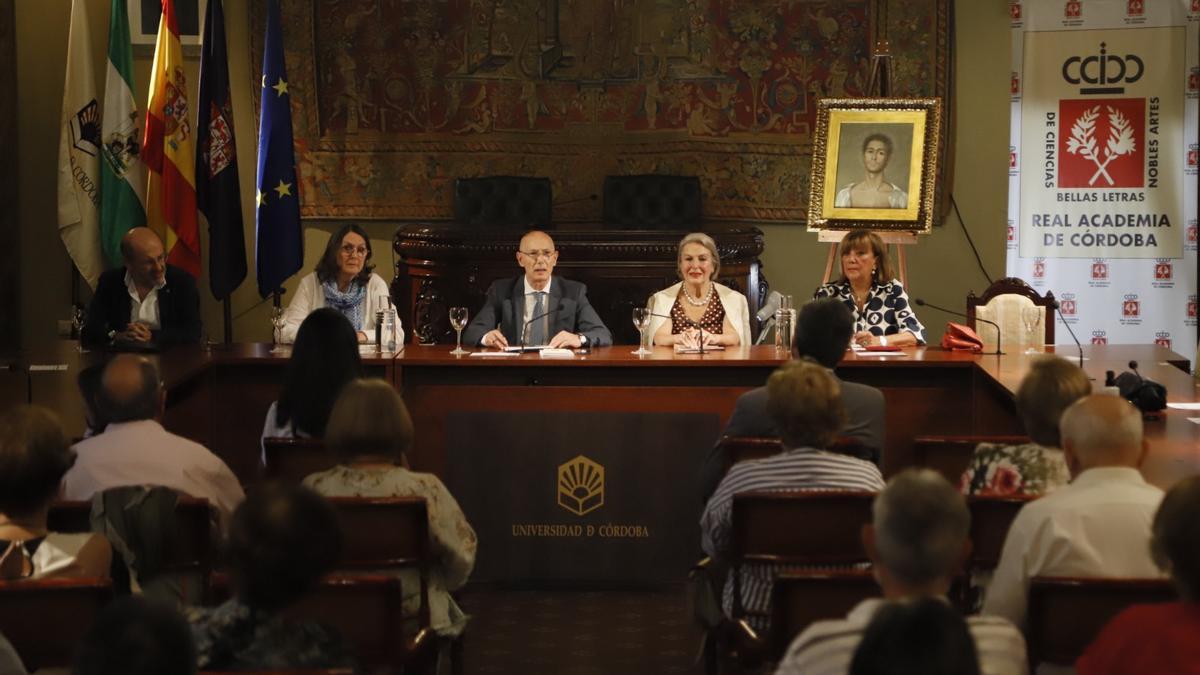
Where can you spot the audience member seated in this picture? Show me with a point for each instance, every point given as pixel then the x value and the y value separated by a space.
pixel 135 449
pixel 370 431
pixel 34 455
pixel 804 400
pixel 283 539
pixel 917 543
pixel 1098 525
pixel 1038 467
pixel 698 305
pixel 147 303
pixel 88 382
pixel 324 358
pixel 1159 638
pixel 924 636
pixel 344 281
pixel 134 636
pixel 823 331
pixel 882 313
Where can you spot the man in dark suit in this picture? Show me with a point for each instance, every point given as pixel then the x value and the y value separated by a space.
pixel 145 304
pixel 823 331
pixel 537 308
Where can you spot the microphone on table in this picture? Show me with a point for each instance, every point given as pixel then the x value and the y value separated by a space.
pixel 525 328
pixel 766 315
pixel 1054 304
pixel 920 302
pixel 1146 395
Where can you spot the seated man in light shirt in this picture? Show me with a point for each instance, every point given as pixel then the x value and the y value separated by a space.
pixel 537 308
pixel 1098 525
pixel 147 303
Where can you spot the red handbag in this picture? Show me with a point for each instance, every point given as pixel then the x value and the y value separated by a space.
pixel 960 338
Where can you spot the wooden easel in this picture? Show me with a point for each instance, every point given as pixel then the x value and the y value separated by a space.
pixel 880 85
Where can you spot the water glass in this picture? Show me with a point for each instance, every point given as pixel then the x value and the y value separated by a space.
pixel 458 319
pixel 641 321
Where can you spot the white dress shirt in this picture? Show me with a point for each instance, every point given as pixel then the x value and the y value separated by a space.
pixel 144 310
pixel 1097 526
pixel 143 453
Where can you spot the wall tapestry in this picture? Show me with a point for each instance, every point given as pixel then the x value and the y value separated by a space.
pixel 394 99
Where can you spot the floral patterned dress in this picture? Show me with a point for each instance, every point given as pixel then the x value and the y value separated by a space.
pixel 886 311
pixel 1014 470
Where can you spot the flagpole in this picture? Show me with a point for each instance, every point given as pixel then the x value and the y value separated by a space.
pixel 228 312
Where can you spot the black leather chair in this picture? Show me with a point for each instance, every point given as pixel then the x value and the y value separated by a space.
pixel 503 200
pixel 652 202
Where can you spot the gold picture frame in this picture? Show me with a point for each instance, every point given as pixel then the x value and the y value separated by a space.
pixel 874 164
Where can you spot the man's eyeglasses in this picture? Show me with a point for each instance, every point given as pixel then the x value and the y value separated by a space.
pixel 536 255
pixel 351 249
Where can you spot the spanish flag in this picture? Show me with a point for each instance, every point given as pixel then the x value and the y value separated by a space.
pixel 169 151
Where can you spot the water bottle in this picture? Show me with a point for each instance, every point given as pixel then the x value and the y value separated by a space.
pixel 784 325
pixel 389 328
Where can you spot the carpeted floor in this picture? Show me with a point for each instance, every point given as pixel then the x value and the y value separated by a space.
pixel 579 632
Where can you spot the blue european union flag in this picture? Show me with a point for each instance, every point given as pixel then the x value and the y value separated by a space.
pixel 279 246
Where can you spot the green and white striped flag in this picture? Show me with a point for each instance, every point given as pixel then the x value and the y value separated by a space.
pixel 122 173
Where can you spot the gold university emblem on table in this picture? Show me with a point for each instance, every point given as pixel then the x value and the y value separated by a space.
pixel 580 485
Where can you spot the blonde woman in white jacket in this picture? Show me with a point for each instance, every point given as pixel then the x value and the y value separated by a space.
pixel 698 305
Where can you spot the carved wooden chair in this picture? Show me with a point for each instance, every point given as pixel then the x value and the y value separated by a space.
pixel 1066 613
pixel 800 598
pixel 293 459
pixel 1026 318
pixel 951 455
pixel 45 619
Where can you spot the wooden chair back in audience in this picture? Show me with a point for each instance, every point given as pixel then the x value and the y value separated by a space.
pixel 293 459
pixel 367 611
pixel 814 528
pixel 950 455
pixel 191 549
pixel 991 517
pixel 46 619
pixel 1066 613
pixel 800 598
pixel 745 448
pixel 382 533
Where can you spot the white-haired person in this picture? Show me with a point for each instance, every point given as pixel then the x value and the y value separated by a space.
pixel 699 309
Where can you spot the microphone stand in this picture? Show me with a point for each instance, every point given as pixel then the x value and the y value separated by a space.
pixel 921 303
pixel 525 328
pixel 1078 345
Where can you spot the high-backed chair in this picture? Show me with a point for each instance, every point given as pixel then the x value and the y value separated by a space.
pixel 800 598
pixel 293 459
pixel 1026 318
pixel 368 612
pixel 503 200
pixel 1066 613
pixel 745 448
pixel 991 517
pixel 179 560
pixel 950 455
pixel 46 619
pixel 652 202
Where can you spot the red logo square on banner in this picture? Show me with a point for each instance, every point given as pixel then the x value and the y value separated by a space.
pixel 1067 307
pixel 1193 156
pixel 1134 7
pixel 1163 342
pixel 1073 9
pixel 1162 270
pixel 1099 340
pixel 1039 269
pixel 1193 80
pixel 1131 308
pixel 1196 5
pixel 1191 233
pixel 1012 160
pixel 1099 270
pixel 1103 143
pixel 1191 310
pixel 1012 232
pixel 1014 84
pixel 1014 10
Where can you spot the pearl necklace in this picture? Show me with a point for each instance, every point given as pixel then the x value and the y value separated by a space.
pixel 697 302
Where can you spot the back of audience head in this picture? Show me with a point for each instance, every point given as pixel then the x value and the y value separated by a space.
pixel 89 389
pixel 282 539
pixel 369 419
pixel 130 390
pixel 324 358
pixel 1052 384
pixel 135 636
pixel 804 400
pixel 1175 537
pixel 823 331
pixel 923 637
pixel 919 533
pixel 1102 431
pixel 34 456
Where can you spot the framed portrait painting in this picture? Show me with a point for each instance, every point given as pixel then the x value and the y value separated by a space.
pixel 874 164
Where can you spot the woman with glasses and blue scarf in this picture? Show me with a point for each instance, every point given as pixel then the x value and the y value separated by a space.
pixel 344 281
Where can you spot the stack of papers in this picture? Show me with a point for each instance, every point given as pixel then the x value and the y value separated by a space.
pixel 548 353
